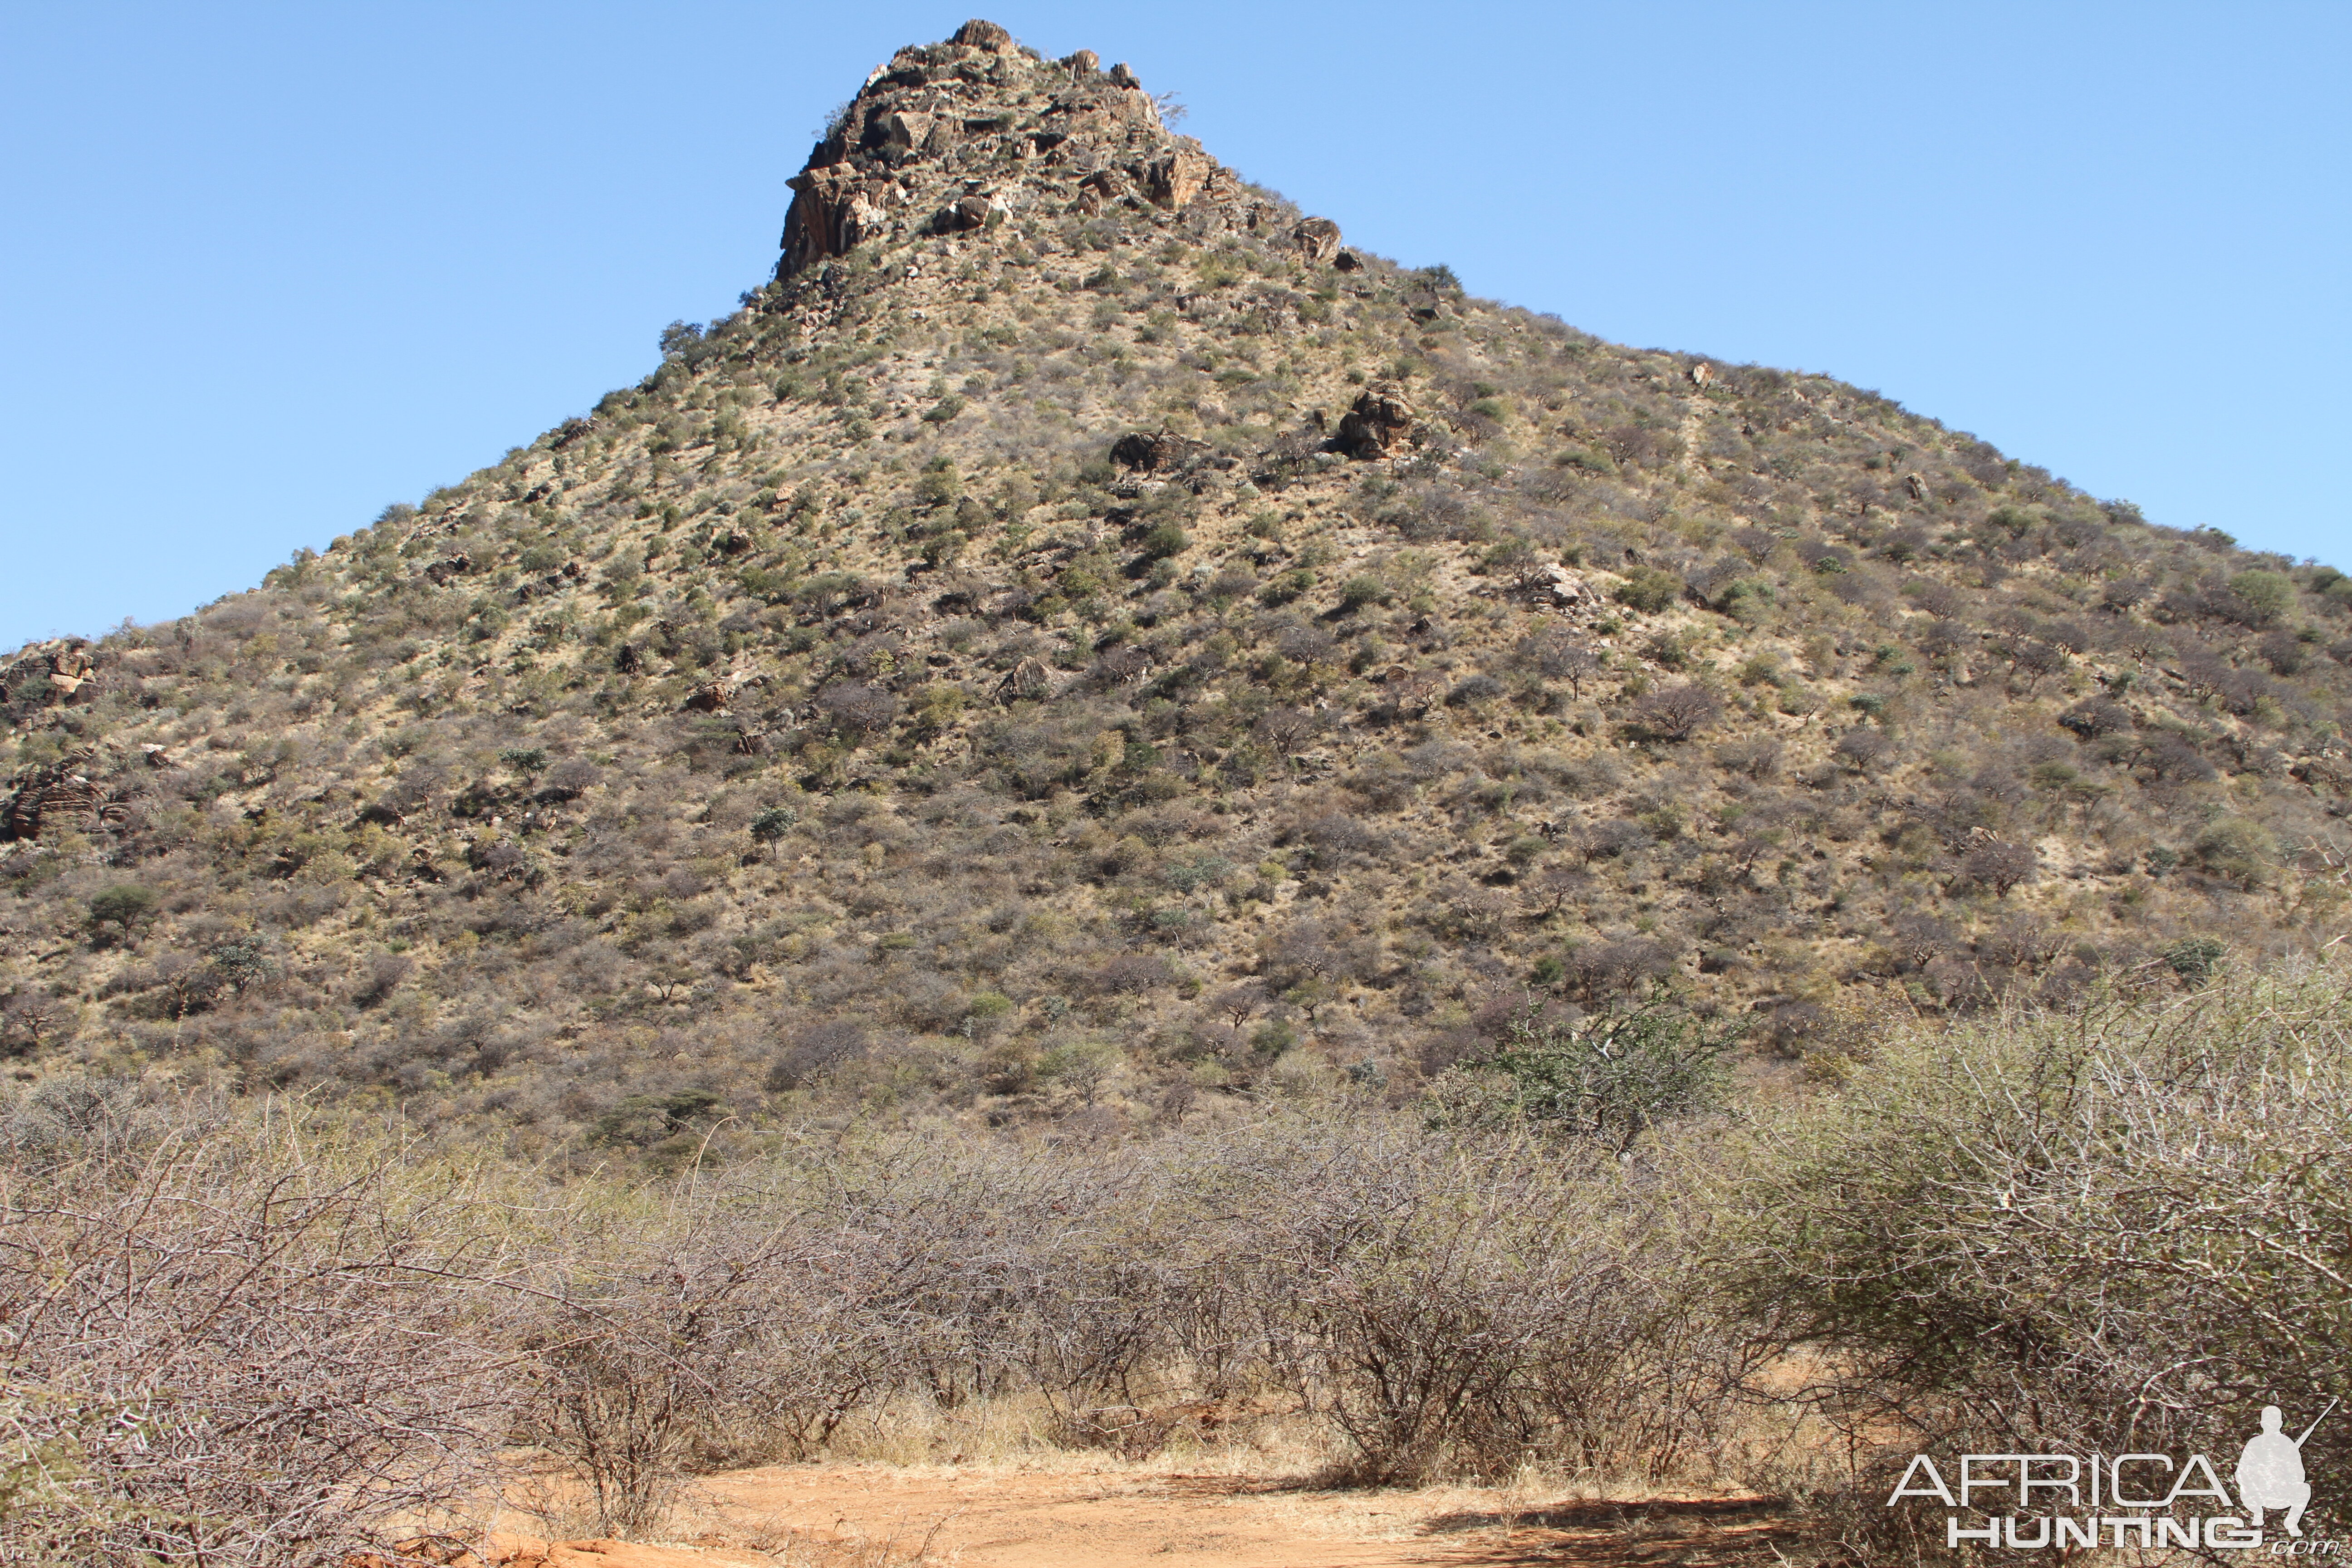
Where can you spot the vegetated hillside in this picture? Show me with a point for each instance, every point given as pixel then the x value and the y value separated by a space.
pixel 1081 644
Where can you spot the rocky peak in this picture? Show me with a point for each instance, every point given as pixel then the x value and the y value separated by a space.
pixel 962 136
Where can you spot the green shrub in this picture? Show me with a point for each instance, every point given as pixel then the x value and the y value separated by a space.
pixel 1649 590
pixel 2062 1202
pixel 2194 959
pixel 2266 595
pixel 1285 587
pixel 1607 1078
pixel 2238 850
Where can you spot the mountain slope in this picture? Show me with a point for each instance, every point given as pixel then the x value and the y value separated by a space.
pixel 1082 643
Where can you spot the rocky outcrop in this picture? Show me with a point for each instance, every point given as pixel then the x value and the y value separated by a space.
pixel 979 35
pixel 715 696
pixel 1379 421
pixel 948 138
pixel 56 795
pixel 51 674
pixel 1156 451
pixel 1174 179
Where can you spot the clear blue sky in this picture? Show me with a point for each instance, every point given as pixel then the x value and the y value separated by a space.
pixel 270 267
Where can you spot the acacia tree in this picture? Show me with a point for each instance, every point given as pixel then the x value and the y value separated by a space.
pixel 1609 1078
pixel 1561 655
pixel 1679 711
pixel 2000 866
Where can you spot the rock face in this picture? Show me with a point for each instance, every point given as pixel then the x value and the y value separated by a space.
pixel 1379 421
pixel 831 210
pixel 1175 178
pixel 947 136
pixel 54 795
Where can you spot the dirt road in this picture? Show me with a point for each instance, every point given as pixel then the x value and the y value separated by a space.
pixel 1122 1518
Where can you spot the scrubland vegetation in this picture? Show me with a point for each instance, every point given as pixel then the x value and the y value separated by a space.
pixel 243 1333
pixel 1476 890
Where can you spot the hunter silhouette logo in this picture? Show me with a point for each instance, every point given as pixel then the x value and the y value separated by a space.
pixel 2270 1471
pixel 2068 1500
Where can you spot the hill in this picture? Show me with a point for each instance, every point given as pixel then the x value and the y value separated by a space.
pixel 1081 644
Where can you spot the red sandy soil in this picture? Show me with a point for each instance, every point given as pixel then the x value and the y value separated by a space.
pixel 1001 1517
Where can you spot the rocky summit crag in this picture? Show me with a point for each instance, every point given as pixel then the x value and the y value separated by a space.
pixel 1082 644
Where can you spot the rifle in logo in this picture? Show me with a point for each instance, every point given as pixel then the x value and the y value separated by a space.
pixel 2270 1471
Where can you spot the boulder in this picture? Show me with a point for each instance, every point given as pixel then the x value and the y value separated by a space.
pixel 1377 424
pixel 1565 588
pixel 907 128
pixel 1121 76
pixel 979 35
pixel 1317 239
pixel 1347 261
pixel 1083 64
pixel 440 572
pixel 1915 485
pixel 964 215
pixel 1701 374
pixel 1029 678
pixel 1155 452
